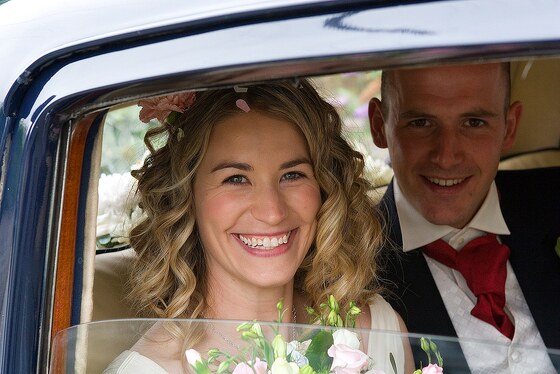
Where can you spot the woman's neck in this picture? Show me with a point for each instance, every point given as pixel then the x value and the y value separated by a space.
pixel 226 301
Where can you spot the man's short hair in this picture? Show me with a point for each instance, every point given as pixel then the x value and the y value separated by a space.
pixel 388 87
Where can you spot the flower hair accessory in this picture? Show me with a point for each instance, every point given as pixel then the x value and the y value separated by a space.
pixel 165 108
pixel 240 103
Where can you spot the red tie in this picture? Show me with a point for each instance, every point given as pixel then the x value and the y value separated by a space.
pixel 482 262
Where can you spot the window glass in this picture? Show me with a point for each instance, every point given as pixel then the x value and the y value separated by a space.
pixel 123 150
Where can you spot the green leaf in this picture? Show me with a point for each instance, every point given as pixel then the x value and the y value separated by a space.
pixel 172 117
pixel 557 247
pixel 222 367
pixel 306 369
pixel 393 363
pixel 317 351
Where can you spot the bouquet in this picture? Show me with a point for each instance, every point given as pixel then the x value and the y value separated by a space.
pixel 334 348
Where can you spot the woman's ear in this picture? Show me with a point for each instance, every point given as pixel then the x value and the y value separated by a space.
pixel 377 123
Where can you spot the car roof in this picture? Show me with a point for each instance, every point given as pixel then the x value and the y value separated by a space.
pixel 35 32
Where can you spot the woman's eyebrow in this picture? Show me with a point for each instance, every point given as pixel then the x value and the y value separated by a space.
pixel 234 165
pixel 246 167
pixel 296 162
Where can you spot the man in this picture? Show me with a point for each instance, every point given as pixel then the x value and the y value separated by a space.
pixel 445 128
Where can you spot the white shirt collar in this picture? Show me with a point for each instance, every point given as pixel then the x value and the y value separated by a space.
pixel 417 231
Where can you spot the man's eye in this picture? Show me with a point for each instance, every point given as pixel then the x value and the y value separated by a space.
pixel 419 122
pixel 236 179
pixel 475 122
pixel 293 175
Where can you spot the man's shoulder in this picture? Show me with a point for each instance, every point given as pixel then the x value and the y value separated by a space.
pixel 529 181
pixel 530 194
pixel 527 176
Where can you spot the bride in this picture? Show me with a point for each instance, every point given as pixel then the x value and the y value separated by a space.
pixel 252 196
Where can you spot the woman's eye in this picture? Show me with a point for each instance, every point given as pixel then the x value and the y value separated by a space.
pixel 236 179
pixel 293 175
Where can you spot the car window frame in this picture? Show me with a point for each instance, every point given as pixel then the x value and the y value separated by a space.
pixel 50 117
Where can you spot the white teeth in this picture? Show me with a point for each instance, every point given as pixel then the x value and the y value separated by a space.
pixel 265 243
pixel 445 182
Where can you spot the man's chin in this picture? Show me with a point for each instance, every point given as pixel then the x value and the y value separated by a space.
pixel 444 218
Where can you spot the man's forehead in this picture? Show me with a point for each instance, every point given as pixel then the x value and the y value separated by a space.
pixel 452 83
pixel 488 74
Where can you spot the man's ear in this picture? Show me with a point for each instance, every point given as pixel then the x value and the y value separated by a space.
pixel 513 116
pixel 376 123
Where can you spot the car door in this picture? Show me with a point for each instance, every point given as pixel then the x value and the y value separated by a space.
pixel 55 99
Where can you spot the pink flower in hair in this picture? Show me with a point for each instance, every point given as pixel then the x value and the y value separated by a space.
pixel 160 107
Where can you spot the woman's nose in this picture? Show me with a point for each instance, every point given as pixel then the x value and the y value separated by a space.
pixel 447 149
pixel 269 205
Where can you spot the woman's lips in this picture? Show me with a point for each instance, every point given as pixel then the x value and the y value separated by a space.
pixel 264 242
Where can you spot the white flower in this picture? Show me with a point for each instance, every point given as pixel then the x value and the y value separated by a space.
pixel 193 356
pixel 375 170
pixel 282 366
pixel 117 207
pixel 296 351
pixel 346 337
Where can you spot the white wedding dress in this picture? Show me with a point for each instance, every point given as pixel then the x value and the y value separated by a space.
pixel 384 341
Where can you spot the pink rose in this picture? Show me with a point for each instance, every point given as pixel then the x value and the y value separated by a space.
pixel 244 368
pixel 160 107
pixel 432 369
pixel 347 360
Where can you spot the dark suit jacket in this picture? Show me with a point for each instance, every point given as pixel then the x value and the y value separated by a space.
pixel 530 202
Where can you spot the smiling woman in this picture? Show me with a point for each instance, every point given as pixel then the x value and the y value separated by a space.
pixel 252 196
pixel 256 204
pixel 63 80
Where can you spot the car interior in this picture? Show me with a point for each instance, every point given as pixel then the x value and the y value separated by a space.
pixel 535 82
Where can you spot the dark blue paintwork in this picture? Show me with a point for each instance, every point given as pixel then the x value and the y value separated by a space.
pixel 60 59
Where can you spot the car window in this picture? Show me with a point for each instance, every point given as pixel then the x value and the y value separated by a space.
pixel 71 134
pixel 533 83
pixel 123 150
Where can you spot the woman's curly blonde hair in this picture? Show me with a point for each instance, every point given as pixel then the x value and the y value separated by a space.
pixel 168 278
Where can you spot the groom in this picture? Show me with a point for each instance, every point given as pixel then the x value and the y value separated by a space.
pixel 445 128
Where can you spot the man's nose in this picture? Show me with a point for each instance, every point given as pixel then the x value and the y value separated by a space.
pixel 269 205
pixel 447 148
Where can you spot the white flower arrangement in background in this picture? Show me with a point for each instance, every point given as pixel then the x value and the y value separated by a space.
pixel 377 171
pixel 118 209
